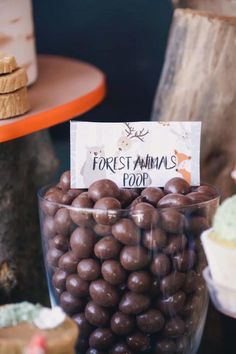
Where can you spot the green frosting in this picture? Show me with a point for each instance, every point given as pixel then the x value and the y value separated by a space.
pixel 11 315
pixel 225 220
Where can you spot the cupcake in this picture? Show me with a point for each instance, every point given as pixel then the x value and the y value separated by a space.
pixel 21 323
pixel 220 247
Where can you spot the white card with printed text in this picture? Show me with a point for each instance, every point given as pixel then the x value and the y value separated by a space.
pixel 137 154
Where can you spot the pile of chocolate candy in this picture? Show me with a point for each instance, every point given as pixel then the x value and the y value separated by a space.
pixel 126 263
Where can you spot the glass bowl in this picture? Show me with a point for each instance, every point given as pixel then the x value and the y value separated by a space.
pixel 130 278
pixel 223 298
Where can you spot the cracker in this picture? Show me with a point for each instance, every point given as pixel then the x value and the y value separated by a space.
pixel 13 81
pixel 7 64
pixel 13 104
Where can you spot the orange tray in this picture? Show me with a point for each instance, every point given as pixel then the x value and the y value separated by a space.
pixel 65 89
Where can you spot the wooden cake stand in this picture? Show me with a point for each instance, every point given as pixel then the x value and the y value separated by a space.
pixel 65 89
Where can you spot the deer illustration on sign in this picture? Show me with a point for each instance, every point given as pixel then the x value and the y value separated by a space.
pixel 128 136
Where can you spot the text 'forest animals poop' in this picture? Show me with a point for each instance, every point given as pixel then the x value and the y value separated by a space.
pixel 137 154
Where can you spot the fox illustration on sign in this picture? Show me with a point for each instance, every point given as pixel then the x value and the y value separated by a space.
pixel 182 165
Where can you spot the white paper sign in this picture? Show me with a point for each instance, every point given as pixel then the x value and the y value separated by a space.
pixel 136 154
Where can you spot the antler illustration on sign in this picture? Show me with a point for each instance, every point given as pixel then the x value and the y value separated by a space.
pixel 124 142
pixel 139 135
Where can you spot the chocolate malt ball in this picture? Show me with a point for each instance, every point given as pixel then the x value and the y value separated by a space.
pixel 133 303
pixel 152 195
pixel 64 182
pixel 195 226
pixel 172 221
pixel 89 269
pixel 74 193
pixel 165 346
pixel 139 282
pixel 192 306
pixel 172 305
pixel 126 232
pixel 136 201
pixel 78 213
pixel 151 321
pixel 84 326
pixel 106 211
pixel 102 230
pixel 184 261
pixel 174 327
pixel 94 351
pixel 126 197
pixel 51 200
pixel 191 282
pixel 145 215
pixel 208 190
pixel 53 256
pixel 49 227
pixel 103 188
pixel 198 197
pixel 134 257
pixel 174 200
pixel 138 341
pixel 82 242
pixel 122 324
pixel 70 303
pixel 120 348
pixel 176 244
pixel 177 185
pixel 59 279
pixel 103 293
pixel 68 262
pixel 60 242
pixel 96 315
pixel 113 272
pixel 77 286
pixel 155 239
pixel 161 265
pixel 172 283
pixel 101 338
pixel 52 190
pixel 106 248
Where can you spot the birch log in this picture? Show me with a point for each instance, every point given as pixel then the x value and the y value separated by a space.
pixel 199 83
pixel 220 7
pixel 25 165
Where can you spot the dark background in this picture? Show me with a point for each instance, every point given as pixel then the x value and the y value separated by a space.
pixel 126 39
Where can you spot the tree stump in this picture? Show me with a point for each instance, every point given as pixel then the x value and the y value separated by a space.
pixel 198 84
pixel 220 7
pixel 25 165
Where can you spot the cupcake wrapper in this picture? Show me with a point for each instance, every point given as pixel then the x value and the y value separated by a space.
pixel 222 264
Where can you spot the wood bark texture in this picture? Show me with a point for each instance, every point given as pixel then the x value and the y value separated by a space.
pixel 220 7
pixel 198 83
pixel 25 165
